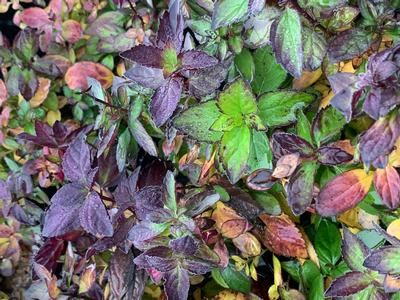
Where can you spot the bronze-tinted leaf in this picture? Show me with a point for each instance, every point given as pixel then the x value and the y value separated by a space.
pixel 387 184
pixel 343 192
pixel 76 76
pixel 228 222
pixel 286 165
pixel 282 236
pixel 260 180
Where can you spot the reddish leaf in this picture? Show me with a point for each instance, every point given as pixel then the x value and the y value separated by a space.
pixel 3 92
pixel 165 100
pixel 348 284
pixel 72 31
pixel 343 192
pixel 387 184
pixel 49 254
pixel 76 76
pixel 282 236
pixel 380 138
pixel 35 17
pixel 148 56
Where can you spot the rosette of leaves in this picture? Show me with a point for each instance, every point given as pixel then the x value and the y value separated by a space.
pixel 165 233
pixel 76 204
pixel 163 66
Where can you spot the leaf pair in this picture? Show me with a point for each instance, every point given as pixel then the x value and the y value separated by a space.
pixel 74 205
pixel 162 67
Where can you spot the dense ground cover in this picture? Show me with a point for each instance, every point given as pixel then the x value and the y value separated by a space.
pixel 228 149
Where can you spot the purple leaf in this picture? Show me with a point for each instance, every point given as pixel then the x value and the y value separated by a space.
pixel 94 217
pixel 194 60
pixel 185 245
pixel 159 258
pixel 125 191
pixel 44 135
pixel 145 231
pixel 150 205
pixel 348 284
pixel 197 266
pixel 125 280
pixel 165 100
pixel 332 156
pixel 5 193
pixel 345 98
pixel 62 216
pixel 142 137
pixel 287 143
pixel 49 253
pixel 380 138
pixel 147 56
pixel 379 101
pixel 354 251
pixel 385 259
pixel 76 160
pixel 205 81
pixel 177 284
pixel 167 33
pixel 148 77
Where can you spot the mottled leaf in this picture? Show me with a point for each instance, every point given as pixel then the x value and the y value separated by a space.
pixel 314 48
pixel 333 156
pixel 226 12
pixel 286 143
pixel 177 284
pixel 354 251
pixel 385 260
pixel 76 76
pixel 348 284
pixel 186 245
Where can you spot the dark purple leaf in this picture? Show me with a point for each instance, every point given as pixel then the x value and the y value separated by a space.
pixel 301 186
pixel 346 96
pixel 49 253
pixel 125 191
pixel 380 138
pixel 165 100
pixel 63 214
pixel 152 174
pixel 177 284
pixel 147 56
pixel 94 217
pixel 150 205
pixel 332 156
pixel 348 284
pixel 379 101
pixel 287 143
pixel 348 44
pixel 125 281
pixel 185 245
pixel 194 60
pixel 144 231
pixel 5 193
pixel 44 135
pixel 354 251
pixel 205 81
pixel 76 160
pixel 167 33
pixel 159 258
pixel 261 180
pixel 108 174
pixel 148 77
pixel 197 266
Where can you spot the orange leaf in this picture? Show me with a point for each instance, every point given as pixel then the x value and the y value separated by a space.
pixel 76 76
pixel 228 222
pixel 282 236
pixel 343 192
pixel 41 92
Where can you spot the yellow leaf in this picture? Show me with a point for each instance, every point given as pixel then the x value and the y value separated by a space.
pixel 273 293
pixel 326 100
pixel 394 228
pixel 53 116
pixel 358 218
pixel 348 67
pixel 41 92
pixel 278 281
pixel 87 279
pixel 306 79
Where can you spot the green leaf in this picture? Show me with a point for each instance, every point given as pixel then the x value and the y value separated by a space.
pixel 170 198
pixel 217 276
pixel 328 124
pixel 268 202
pixel 279 108
pixel 197 120
pixel 225 123
pixel 386 260
pixel 237 100
pixel 313 280
pixel 314 48
pixel 236 280
pixel 268 74
pixel 170 60
pixel 245 64
pixel 303 127
pixel 122 148
pixel 227 12
pixel 234 152
pixel 327 244
pixel 287 42
pixel 260 156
